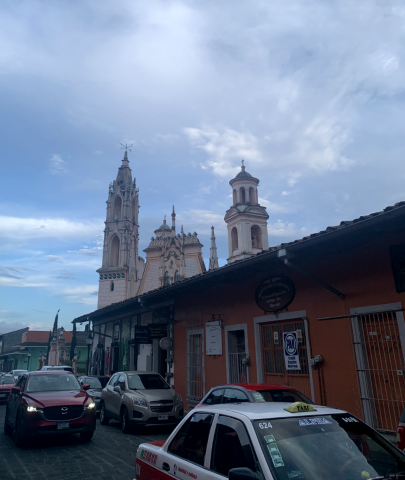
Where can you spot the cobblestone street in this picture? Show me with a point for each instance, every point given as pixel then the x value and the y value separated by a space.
pixel 110 454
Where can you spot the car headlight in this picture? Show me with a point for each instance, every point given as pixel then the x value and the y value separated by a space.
pixel 139 402
pixel 178 400
pixel 32 409
pixel 91 405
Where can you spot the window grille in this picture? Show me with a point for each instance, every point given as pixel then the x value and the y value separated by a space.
pixel 195 365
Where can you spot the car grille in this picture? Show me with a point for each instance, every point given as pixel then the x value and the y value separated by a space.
pixel 162 406
pixel 55 413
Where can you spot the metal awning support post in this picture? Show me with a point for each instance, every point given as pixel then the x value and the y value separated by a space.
pixel 283 256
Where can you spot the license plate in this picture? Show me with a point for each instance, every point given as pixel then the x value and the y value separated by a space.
pixel 2 395
pixel 63 425
pixel 163 417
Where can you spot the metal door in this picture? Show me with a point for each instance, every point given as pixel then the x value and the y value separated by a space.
pixel 273 356
pixel 380 368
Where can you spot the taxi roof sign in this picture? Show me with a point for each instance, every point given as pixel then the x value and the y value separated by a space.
pixel 298 407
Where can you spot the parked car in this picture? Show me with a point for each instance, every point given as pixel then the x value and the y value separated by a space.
pixel 401 432
pixel 17 373
pixel 252 392
pixel 97 383
pixel 46 403
pixel 272 441
pixel 140 398
pixel 56 368
pixel 7 382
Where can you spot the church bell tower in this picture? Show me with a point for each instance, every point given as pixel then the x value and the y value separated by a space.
pixel 122 268
pixel 246 219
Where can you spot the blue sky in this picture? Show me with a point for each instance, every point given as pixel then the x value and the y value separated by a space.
pixel 310 94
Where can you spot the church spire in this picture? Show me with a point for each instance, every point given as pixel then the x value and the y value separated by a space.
pixel 213 264
pixel 174 220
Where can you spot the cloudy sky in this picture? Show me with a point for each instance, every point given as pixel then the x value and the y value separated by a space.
pixel 310 94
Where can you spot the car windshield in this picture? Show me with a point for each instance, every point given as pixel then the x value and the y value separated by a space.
pixel 93 382
pixel 18 372
pixel 52 383
pixel 7 381
pixel 329 447
pixel 145 381
pixel 281 395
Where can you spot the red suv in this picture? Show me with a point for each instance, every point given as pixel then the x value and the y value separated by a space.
pixel 46 403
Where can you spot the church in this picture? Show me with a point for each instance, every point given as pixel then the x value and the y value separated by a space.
pixel 170 256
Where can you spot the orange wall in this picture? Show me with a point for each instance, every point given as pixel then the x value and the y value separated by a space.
pixel 363 274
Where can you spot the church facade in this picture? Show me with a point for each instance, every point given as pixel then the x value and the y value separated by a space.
pixel 170 256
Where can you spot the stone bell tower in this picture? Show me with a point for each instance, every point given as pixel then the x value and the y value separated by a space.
pixel 246 219
pixel 122 268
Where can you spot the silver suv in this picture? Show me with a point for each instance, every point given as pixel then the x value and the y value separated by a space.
pixel 140 398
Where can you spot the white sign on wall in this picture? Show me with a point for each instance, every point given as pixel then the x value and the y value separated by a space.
pixel 213 335
pixel 291 354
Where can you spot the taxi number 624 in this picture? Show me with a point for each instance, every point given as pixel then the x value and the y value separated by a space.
pixel 265 425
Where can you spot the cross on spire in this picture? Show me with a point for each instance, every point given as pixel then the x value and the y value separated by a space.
pixel 126 146
pixel 243 162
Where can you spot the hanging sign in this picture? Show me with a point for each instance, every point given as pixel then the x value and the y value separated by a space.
pixel 157 330
pixel 142 334
pixel 213 335
pixel 275 294
pixel 291 354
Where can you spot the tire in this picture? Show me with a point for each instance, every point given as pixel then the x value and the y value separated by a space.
pixel 7 429
pixel 86 436
pixel 125 427
pixel 18 437
pixel 104 419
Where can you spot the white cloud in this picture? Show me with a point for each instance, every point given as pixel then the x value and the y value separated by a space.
pixel 201 221
pixel 26 229
pixel 57 164
pixel 285 229
pixel 86 294
pixel 54 258
pixel 272 207
pixel 225 148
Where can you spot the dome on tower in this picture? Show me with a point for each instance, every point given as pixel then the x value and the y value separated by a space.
pixel 243 174
pixel 164 226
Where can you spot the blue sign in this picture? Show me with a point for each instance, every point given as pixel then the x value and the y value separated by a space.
pixel 291 353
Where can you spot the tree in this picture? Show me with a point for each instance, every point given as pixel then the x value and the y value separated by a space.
pixel 74 342
pixel 55 323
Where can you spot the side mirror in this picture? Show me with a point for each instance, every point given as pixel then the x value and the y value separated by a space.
pixel 117 389
pixel 16 390
pixel 86 386
pixel 242 473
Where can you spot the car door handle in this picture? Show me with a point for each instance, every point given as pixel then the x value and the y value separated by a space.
pixel 165 466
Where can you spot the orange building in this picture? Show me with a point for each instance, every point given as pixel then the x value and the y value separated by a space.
pixel 340 293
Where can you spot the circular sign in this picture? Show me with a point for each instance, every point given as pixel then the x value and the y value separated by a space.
pixel 165 343
pixel 275 294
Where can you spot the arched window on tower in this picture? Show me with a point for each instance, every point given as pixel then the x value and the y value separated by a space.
pixel 242 195
pixel 114 252
pixel 177 276
pixel 166 279
pixel 117 208
pixel 133 210
pixel 234 238
pixel 256 234
pixel 252 196
pixel 235 197
pixel 112 287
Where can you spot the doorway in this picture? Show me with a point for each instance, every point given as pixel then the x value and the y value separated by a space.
pixel 236 354
pixel 380 365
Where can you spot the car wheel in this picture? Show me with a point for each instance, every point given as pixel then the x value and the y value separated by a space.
pixel 103 415
pixel 125 421
pixel 86 436
pixel 7 429
pixel 19 438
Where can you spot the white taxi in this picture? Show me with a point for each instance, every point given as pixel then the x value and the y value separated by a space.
pixel 264 441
